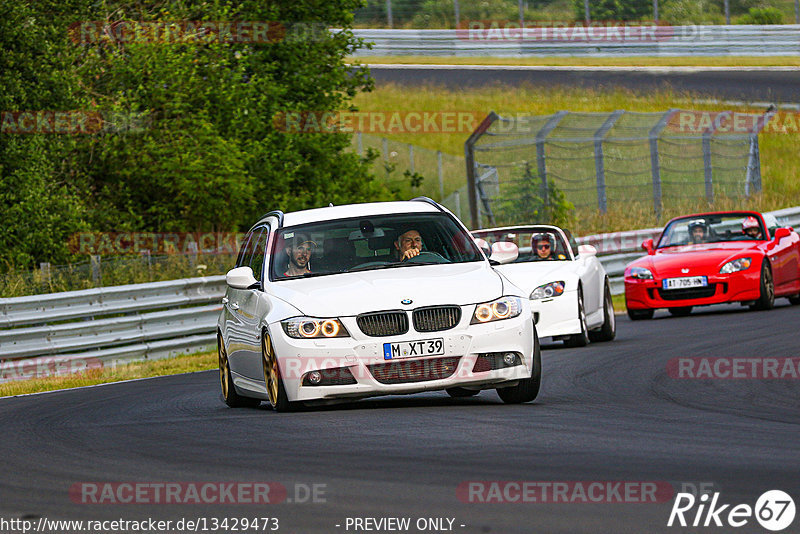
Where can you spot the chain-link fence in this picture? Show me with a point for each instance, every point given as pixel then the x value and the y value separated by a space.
pixel 620 159
pixel 412 170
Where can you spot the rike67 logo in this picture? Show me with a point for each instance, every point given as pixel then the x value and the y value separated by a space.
pixel 774 510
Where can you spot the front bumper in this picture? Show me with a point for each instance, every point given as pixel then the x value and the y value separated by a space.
pixel 722 288
pixel 363 357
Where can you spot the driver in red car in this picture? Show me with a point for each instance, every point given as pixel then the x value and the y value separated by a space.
pixel 751 228
pixel 408 245
pixel 697 232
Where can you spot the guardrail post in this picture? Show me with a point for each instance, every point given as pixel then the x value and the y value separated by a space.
pixel 439 172
pixel 598 158
pixel 655 168
pixel 411 157
pixel 97 273
pixel 44 270
pixel 707 171
pixel 360 144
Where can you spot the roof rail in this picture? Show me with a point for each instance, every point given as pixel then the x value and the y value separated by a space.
pixel 428 200
pixel 277 214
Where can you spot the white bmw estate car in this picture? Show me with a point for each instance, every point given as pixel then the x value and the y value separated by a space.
pixel 371 299
pixel 566 284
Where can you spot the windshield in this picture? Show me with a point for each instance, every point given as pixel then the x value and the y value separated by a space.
pixel 716 228
pixel 370 243
pixel 534 243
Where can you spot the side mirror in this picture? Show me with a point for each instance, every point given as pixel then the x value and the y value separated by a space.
pixel 504 252
pixel 587 250
pixel 780 233
pixel 647 245
pixel 241 278
pixel 484 246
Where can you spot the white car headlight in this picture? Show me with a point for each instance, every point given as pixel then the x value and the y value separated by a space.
pixel 497 310
pixel 736 265
pixel 309 327
pixel 546 291
pixel 640 273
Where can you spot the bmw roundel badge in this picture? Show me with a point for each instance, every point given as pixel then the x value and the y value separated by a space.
pixel 406 301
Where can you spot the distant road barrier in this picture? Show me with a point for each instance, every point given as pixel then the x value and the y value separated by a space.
pixel 575 40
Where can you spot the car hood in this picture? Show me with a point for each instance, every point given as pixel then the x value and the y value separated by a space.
pixel 349 294
pixel 530 275
pixel 673 260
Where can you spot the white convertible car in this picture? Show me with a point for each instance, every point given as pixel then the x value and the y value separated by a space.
pixel 371 299
pixel 566 284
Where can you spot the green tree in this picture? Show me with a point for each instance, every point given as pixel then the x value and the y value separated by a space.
pixel 607 10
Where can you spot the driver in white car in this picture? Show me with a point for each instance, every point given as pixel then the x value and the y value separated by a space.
pixel 299 255
pixel 408 245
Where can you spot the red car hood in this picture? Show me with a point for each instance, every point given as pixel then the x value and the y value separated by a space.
pixel 699 259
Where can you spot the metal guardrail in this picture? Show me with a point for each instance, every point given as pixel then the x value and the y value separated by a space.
pixel 149 321
pixel 58 332
pixel 603 40
pixel 617 250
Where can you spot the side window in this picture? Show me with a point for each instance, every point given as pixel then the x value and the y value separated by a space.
pixel 257 261
pixel 243 254
pixel 572 243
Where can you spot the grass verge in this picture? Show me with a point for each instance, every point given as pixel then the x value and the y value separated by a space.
pixel 573 61
pixel 170 366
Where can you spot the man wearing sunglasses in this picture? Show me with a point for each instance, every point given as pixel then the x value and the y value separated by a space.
pixel 542 246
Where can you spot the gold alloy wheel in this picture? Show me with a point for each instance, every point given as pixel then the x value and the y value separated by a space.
pixel 270 364
pixel 223 369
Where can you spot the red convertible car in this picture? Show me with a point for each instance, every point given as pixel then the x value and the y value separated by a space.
pixel 713 258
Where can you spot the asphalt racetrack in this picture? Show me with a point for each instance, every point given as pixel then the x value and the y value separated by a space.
pixel 606 412
pixel 750 84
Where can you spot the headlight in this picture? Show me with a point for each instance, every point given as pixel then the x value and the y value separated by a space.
pixel 496 310
pixel 308 327
pixel 640 273
pixel 546 291
pixel 736 265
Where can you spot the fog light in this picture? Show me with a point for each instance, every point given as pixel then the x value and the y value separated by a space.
pixel 509 358
pixel 315 377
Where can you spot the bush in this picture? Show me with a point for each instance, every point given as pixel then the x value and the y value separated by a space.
pixel 606 10
pixel 681 12
pixel 761 15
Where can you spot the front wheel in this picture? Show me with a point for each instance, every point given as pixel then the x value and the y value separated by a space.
pixel 527 389
pixel 608 331
pixel 229 395
pixel 580 339
pixel 766 299
pixel 276 393
pixel 639 315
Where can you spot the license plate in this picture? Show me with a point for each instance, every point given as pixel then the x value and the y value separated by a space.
pixel 685 282
pixel 410 349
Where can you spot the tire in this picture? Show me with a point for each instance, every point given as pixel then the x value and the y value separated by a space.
pixel 460 393
pixel 276 393
pixel 639 315
pixel 608 331
pixel 528 388
pixel 581 339
pixel 229 395
pixel 683 311
pixel 795 300
pixel 766 299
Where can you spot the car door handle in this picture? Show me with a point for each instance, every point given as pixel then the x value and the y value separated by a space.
pixel 224 300
pixel 234 306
